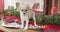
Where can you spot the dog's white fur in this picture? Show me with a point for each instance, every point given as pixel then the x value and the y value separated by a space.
pixel 25 17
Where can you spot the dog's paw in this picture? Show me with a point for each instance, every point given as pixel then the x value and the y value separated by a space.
pixel 36 25
pixel 21 27
pixel 25 28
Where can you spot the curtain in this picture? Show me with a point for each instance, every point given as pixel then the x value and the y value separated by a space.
pixel 1 4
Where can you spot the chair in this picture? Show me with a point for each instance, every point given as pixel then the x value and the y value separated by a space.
pixel 35 7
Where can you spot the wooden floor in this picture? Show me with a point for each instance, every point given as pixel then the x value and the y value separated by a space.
pixel 17 30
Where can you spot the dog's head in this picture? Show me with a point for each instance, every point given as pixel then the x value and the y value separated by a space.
pixel 24 8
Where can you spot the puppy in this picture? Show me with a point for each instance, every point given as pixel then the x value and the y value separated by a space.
pixel 25 14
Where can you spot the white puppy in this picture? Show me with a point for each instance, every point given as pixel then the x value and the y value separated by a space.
pixel 25 14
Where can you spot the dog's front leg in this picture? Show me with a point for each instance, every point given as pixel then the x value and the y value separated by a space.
pixel 22 23
pixel 26 25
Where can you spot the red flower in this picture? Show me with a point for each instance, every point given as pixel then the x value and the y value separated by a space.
pixel 5 17
pixel 17 18
pixel 12 17
pixel 0 15
pixel 8 20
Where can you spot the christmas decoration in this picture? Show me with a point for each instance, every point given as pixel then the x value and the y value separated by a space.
pixel 53 19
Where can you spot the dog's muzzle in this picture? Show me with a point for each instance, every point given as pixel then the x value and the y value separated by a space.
pixel 24 13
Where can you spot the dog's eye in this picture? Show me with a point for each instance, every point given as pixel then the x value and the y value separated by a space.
pixel 21 10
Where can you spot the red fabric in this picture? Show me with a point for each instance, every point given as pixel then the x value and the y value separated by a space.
pixel 54 10
pixel 2 4
pixel 50 27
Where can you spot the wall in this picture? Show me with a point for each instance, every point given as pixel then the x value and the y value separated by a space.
pixel 30 2
pixel 9 3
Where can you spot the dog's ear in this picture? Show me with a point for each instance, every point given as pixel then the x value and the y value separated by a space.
pixel 19 8
pixel 28 7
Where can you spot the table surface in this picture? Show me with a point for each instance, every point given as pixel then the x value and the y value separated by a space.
pixel 16 30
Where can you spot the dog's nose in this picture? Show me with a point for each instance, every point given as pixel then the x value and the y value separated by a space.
pixel 24 13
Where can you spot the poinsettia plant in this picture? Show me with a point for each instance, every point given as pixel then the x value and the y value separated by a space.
pixel 0 11
pixel 16 13
pixel 11 11
pixel 39 17
pixel 53 19
pixel 8 11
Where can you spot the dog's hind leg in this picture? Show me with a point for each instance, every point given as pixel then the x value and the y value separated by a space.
pixel 34 20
